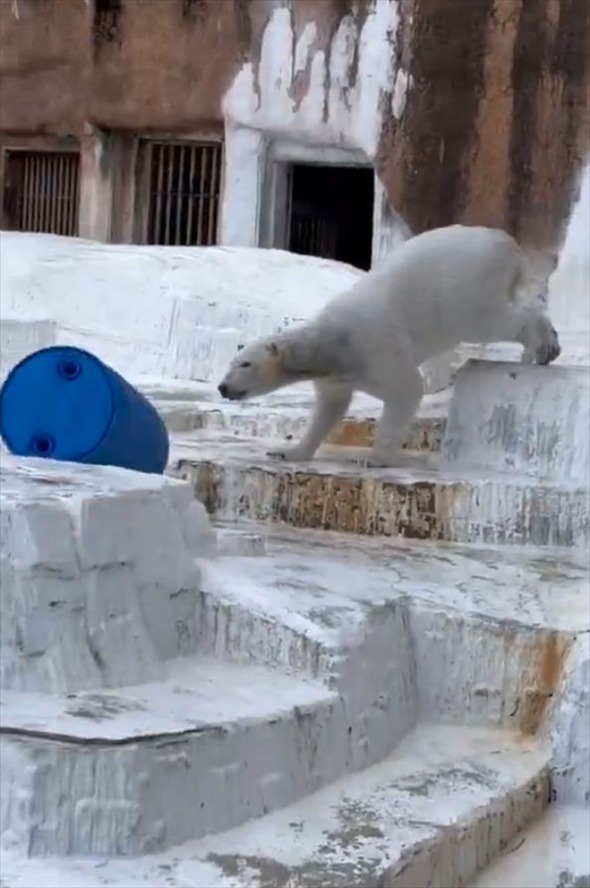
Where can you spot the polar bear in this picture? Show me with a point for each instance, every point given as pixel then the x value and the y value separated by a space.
pixel 439 289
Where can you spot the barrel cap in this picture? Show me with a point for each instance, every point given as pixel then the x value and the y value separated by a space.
pixel 58 402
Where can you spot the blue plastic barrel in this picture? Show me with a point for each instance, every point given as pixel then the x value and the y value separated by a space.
pixel 64 403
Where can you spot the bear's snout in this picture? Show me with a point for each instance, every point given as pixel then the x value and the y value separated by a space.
pixel 231 394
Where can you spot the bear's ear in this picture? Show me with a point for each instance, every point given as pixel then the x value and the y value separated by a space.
pixel 282 354
pixel 293 358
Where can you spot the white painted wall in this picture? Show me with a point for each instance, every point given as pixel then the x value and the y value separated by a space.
pixel 96 187
pixel 164 312
pixel 245 157
pixel 340 111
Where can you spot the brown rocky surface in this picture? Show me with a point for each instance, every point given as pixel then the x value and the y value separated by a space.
pixel 495 128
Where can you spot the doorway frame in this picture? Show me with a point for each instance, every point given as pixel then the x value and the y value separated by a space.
pixel 275 212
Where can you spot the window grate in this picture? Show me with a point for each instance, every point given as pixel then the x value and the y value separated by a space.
pixel 105 26
pixel 185 184
pixel 42 191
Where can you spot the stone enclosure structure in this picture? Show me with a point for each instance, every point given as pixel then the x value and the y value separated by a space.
pixel 471 112
pixel 292 676
pixel 355 677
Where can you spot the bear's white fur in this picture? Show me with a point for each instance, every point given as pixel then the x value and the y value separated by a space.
pixel 439 289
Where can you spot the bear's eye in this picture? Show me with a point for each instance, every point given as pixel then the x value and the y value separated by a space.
pixel 246 364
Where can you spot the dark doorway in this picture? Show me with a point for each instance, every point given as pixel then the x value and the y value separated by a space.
pixel 332 213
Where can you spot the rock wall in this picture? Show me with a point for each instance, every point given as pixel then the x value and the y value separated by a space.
pixel 116 64
pixel 45 67
pixel 474 112
pixel 495 127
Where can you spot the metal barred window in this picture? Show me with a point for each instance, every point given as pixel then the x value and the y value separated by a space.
pixel 42 191
pixel 184 189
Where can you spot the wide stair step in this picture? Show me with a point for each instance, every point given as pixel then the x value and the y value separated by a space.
pixel 433 813
pixel 285 418
pixel 270 705
pixel 236 481
pixel 512 469
pixel 552 853
pixel 147 767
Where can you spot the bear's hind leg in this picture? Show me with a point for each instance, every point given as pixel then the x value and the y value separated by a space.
pixel 331 403
pixel 400 402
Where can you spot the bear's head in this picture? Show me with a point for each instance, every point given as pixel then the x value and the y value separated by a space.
pixel 257 369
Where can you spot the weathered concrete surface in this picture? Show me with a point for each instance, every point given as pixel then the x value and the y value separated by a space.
pixel 453 107
pixel 361 648
pixel 98 574
pixel 139 770
pixel 236 481
pixel 275 660
pixel 101 590
pixel 514 615
pixel 236 541
pixel 287 420
pixel 568 727
pixel 553 853
pixel 513 468
pixel 440 808
pixel 522 420
pixel 489 86
pixel 49 85
pixel 356 640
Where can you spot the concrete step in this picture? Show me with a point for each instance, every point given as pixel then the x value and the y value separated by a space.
pixel 284 425
pixel 327 605
pixel 509 627
pixel 513 469
pixel 552 853
pixel 235 540
pixel 436 812
pixel 99 575
pixel 140 769
pixel 523 419
pixel 378 625
pixel 237 481
pixel 283 416
pixel 387 636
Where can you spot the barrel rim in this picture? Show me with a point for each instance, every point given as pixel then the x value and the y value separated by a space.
pixel 60 348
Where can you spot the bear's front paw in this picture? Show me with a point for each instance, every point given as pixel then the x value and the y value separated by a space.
pixel 293 454
pixel 544 347
pixel 550 350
